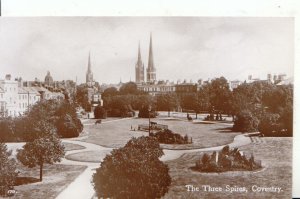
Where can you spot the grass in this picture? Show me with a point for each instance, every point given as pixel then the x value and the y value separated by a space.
pixel 71 147
pixel 88 156
pixel 116 134
pixel 55 179
pixel 276 157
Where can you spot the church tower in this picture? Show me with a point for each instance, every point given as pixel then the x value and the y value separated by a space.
pixel 139 69
pixel 89 74
pixel 151 71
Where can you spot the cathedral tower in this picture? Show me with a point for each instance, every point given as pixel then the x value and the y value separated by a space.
pixel 139 69
pixel 151 71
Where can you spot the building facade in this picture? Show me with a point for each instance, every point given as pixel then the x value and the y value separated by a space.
pixel 17 97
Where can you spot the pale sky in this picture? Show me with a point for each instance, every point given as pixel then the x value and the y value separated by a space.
pixel 183 47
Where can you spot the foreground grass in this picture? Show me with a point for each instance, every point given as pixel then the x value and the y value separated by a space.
pixel 55 179
pixel 116 134
pixel 276 157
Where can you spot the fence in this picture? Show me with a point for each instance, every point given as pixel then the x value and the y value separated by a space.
pixel 153 126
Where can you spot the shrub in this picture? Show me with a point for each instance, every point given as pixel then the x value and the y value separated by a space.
pixel 7 170
pixel 133 171
pixel 167 136
pixel 228 160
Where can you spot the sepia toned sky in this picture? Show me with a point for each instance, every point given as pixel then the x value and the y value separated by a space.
pixel 183 47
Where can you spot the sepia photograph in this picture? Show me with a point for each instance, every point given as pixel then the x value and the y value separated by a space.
pixel 146 107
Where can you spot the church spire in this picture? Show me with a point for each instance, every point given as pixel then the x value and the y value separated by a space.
pixel 89 63
pixel 151 71
pixel 89 74
pixel 139 54
pixel 139 67
pixel 150 60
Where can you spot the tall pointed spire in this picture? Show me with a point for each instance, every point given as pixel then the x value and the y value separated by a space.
pixel 139 53
pixel 89 74
pixel 139 68
pixel 150 60
pixel 151 71
pixel 89 63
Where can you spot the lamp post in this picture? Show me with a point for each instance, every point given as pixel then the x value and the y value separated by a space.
pixel 149 109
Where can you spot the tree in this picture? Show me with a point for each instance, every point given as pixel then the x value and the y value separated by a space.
pixel 219 94
pixel 133 171
pixel 129 88
pixel 67 123
pixel 100 112
pixel 46 149
pixel 167 102
pixel 269 124
pixel 8 172
pixel 82 98
pixel 246 122
pixel 111 91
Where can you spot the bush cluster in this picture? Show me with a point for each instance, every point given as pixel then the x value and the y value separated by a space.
pixel 167 136
pixel 228 160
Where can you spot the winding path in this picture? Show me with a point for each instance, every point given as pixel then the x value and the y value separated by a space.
pixel 82 188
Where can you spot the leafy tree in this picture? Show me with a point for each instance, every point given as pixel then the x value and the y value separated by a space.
pixel 286 119
pixel 167 102
pixel 246 122
pixel 144 112
pixel 201 100
pixel 67 123
pixel 133 171
pixel 82 98
pixel 269 124
pixel 111 91
pixel 219 93
pixel 8 172
pixel 129 88
pixel 100 112
pixel 46 149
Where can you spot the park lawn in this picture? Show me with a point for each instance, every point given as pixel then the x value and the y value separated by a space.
pixel 55 179
pixel 116 134
pixel 88 156
pixel 276 157
pixel 71 147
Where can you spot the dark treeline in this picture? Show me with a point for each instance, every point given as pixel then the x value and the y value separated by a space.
pixel 58 117
pixel 258 106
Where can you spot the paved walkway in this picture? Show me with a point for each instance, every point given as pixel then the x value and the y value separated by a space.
pixel 82 187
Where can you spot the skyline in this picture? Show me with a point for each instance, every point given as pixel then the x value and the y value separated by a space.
pixel 183 47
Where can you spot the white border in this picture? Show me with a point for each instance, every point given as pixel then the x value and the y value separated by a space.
pixel 252 8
